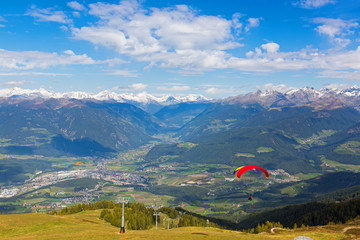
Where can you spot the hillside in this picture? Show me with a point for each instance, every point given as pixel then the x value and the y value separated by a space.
pixel 312 214
pixel 301 121
pixel 75 127
pixel 87 225
pixel 177 115
pixel 296 139
pixel 242 147
pixel 218 118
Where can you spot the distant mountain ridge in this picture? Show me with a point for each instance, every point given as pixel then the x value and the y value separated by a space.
pixel 143 100
pixel 268 98
pixel 307 95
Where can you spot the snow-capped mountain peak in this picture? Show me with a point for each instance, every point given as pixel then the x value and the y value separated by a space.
pixel 141 98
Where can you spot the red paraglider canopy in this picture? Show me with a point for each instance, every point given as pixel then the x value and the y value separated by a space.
pixel 249 167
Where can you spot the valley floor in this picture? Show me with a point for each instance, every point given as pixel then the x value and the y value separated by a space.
pixel 87 225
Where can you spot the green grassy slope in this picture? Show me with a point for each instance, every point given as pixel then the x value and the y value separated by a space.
pixel 87 225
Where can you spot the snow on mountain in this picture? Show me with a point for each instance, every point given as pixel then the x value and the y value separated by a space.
pixel 266 98
pixel 273 98
pixel 140 98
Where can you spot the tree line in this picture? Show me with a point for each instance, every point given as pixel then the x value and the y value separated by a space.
pixel 138 216
pixel 308 214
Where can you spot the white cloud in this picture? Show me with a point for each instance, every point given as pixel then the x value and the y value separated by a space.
pixel 187 72
pixel 236 23
pixel 113 61
pixel 15 83
pixel 333 27
pixel 340 61
pixel 252 22
pixel 270 47
pixel 259 61
pixel 32 74
pixel 132 87
pixel 138 86
pixel 214 89
pixel 354 76
pixel 280 88
pixel 347 75
pixel 180 39
pixel 126 73
pixel 76 14
pixel 174 88
pixel 336 29
pixel 77 6
pixel 64 28
pixel 339 86
pixel 158 35
pixel 25 60
pixel 341 42
pixel 314 3
pixel 48 15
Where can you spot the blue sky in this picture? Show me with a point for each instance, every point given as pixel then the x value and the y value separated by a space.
pixel 214 48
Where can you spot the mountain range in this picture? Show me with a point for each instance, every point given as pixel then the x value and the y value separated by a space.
pixel 143 100
pixel 70 126
pixel 300 131
pixel 269 98
pixel 46 122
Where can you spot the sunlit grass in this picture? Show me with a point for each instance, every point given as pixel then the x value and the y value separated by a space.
pixel 87 225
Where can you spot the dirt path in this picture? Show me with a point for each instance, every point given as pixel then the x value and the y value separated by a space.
pixel 348 228
pixel 272 230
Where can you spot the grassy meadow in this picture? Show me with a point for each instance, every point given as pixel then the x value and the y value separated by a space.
pixel 87 225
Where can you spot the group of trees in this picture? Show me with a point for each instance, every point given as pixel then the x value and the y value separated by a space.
pixel 194 218
pixel 170 212
pixel 137 216
pixel 309 214
pixel 84 206
pixel 264 227
pixel 190 220
pixel 186 218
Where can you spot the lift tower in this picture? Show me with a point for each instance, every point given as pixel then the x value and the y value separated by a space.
pixel 123 200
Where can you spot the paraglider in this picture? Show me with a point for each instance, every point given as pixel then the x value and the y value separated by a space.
pixel 240 171
pixel 242 167
pixel 80 162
